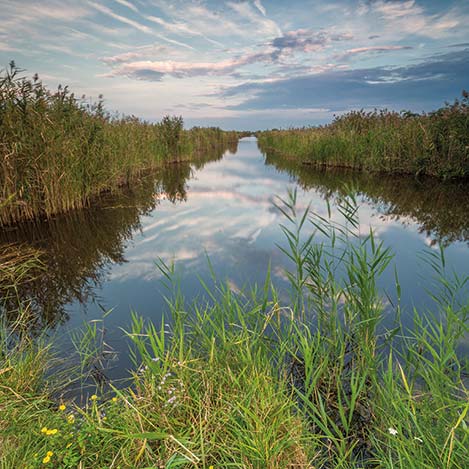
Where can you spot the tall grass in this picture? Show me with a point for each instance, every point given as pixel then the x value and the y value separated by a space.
pixel 58 151
pixel 242 380
pixel 434 144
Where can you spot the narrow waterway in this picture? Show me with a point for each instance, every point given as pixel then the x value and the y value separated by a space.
pixel 104 259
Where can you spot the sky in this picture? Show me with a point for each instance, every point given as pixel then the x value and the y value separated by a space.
pixel 244 64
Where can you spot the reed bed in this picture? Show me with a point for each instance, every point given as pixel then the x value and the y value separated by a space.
pixel 433 144
pixel 57 151
pixel 246 381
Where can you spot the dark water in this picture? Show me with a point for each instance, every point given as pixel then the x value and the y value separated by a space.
pixel 104 258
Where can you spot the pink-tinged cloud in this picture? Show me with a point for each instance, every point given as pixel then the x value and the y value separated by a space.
pixel 410 17
pixel 306 40
pixel 274 52
pixel 155 70
pixel 365 50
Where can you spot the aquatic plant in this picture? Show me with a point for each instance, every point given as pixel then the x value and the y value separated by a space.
pixel 434 144
pixel 246 381
pixel 58 151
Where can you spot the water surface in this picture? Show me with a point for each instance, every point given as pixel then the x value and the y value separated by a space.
pixel 103 258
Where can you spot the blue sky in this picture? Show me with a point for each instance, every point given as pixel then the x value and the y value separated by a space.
pixel 244 64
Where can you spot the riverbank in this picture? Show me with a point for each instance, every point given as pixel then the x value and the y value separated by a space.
pixel 58 152
pixel 434 144
pixel 249 381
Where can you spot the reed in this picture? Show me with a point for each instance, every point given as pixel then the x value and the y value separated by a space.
pixel 247 381
pixel 433 144
pixel 58 152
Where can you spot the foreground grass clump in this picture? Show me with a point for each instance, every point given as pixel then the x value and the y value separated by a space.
pixel 434 144
pixel 242 381
pixel 58 152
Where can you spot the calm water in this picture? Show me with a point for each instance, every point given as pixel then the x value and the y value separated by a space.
pixel 104 258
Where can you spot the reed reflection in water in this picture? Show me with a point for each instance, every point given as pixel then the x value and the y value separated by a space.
pixel 76 249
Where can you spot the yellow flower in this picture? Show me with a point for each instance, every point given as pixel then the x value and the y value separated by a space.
pixel 51 432
pixel 46 460
pixel 114 399
pixel 70 418
pixel 93 397
pixel 44 430
pixel 62 407
pixel 50 453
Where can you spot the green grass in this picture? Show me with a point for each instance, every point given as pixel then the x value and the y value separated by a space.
pixel 434 144
pixel 243 380
pixel 58 152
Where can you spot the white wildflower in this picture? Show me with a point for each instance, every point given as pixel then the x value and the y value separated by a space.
pixel 392 431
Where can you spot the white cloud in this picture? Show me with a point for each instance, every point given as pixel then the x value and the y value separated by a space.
pixel 180 28
pixel 140 52
pixel 22 16
pixel 123 19
pixel 408 17
pixel 180 69
pixel 263 24
pixel 260 7
pixel 135 24
pixel 273 53
pixel 365 50
pixel 127 4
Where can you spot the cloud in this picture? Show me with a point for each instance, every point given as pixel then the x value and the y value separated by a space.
pixel 209 22
pixel 251 14
pixel 272 53
pixel 365 50
pixel 461 44
pixel 128 5
pixel 305 40
pixel 28 16
pixel 148 75
pixel 260 7
pixel 180 28
pixel 182 69
pixel 138 53
pixel 408 17
pixel 123 19
pixel 419 86
pixel 121 58
pixel 135 24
